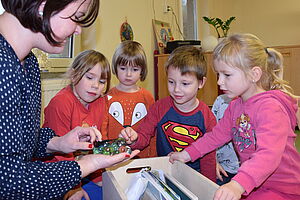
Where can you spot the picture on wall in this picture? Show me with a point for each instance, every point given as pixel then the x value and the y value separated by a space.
pixel 163 34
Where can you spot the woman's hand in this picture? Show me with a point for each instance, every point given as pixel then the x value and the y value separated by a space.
pixel 182 156
pixel 77 139
pixel 220 171
pixel 92 162
pixel 229 191
pixel 129 135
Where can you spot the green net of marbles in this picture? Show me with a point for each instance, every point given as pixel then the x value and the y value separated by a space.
pixel 111 147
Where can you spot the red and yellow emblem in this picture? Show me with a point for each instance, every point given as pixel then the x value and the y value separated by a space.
pixel 180 135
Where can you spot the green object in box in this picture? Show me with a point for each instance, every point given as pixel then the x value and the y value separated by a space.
pixel 111 147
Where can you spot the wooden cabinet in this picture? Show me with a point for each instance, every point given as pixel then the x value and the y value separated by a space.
pixel 291 69
pixel 208 93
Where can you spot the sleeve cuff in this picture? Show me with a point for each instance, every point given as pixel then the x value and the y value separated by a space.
pixel 46 134
pixel 193 152
pixel 245 181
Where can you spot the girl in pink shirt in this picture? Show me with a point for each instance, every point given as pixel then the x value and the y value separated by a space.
pixel 261 122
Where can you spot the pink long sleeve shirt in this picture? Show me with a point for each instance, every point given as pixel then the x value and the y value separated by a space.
pixel 262 129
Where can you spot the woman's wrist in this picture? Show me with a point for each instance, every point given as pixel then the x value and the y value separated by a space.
pixel 87 166
pixel 53 145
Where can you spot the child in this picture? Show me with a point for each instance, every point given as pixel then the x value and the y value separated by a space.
pixel 227 160
pixel 81 103
pixel 261 122
pixel 179 119
pixel 128 103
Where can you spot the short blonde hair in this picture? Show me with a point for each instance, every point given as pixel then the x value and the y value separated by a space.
pixel 132 53
pixel 189 60
pixel 246 51
pixel 84 62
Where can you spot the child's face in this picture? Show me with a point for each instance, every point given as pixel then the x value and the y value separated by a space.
pixel 129 75
pixel 233 81
pixel 183 88
pixel 90 87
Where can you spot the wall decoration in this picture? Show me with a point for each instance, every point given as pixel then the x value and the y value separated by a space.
pixel 163 34
pixel 126 32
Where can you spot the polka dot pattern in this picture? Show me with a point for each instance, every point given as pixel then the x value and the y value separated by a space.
pixel 21 137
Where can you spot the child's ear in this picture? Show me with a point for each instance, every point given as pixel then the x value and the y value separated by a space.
pixel 202 83
pixel 256 73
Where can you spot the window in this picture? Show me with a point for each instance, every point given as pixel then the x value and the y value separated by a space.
pixel 59 62
pixel 1 8
pixel 189 14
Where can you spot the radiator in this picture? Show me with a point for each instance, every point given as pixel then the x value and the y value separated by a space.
pixel 49 89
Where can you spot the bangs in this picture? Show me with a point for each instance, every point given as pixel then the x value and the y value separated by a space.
pixel 124 60
pixel 231 53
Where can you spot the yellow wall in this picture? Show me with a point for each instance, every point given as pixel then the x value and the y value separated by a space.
pixel 104 35
pixel 276 22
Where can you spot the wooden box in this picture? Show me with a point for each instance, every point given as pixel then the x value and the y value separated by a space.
pixel 116 179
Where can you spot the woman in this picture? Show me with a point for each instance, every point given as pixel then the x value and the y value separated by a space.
pixel 45 25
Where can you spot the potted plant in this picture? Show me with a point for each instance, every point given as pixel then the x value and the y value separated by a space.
pixel 218 24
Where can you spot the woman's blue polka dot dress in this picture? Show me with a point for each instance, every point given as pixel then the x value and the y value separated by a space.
pixel 21 137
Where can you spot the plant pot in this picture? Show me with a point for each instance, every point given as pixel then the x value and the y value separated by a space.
pixel 209 43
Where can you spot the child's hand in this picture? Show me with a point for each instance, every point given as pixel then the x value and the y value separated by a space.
pixel 229 191
pixel 182 156
pixel 219 170
pixel 129 135
pixel 78 195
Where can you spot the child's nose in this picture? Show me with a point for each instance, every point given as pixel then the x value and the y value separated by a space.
pixel 220 81
pixel 176 88
pixel 95 84
pixel 129 72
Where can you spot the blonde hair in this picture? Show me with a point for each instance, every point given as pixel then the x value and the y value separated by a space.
pixel 132 53
pixel 84 62
pixel 246 51
pixel 189 60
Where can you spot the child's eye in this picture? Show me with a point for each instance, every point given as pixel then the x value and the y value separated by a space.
pixel 185 84
pixel 122 68
pixel 89 77
pixel 170 81
pixel 136 69
pixel 227 75
pixel 102 81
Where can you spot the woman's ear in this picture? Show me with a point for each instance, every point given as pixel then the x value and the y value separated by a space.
pixel 256 73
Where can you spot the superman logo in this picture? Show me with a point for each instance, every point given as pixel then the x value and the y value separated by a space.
pixel 180 135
